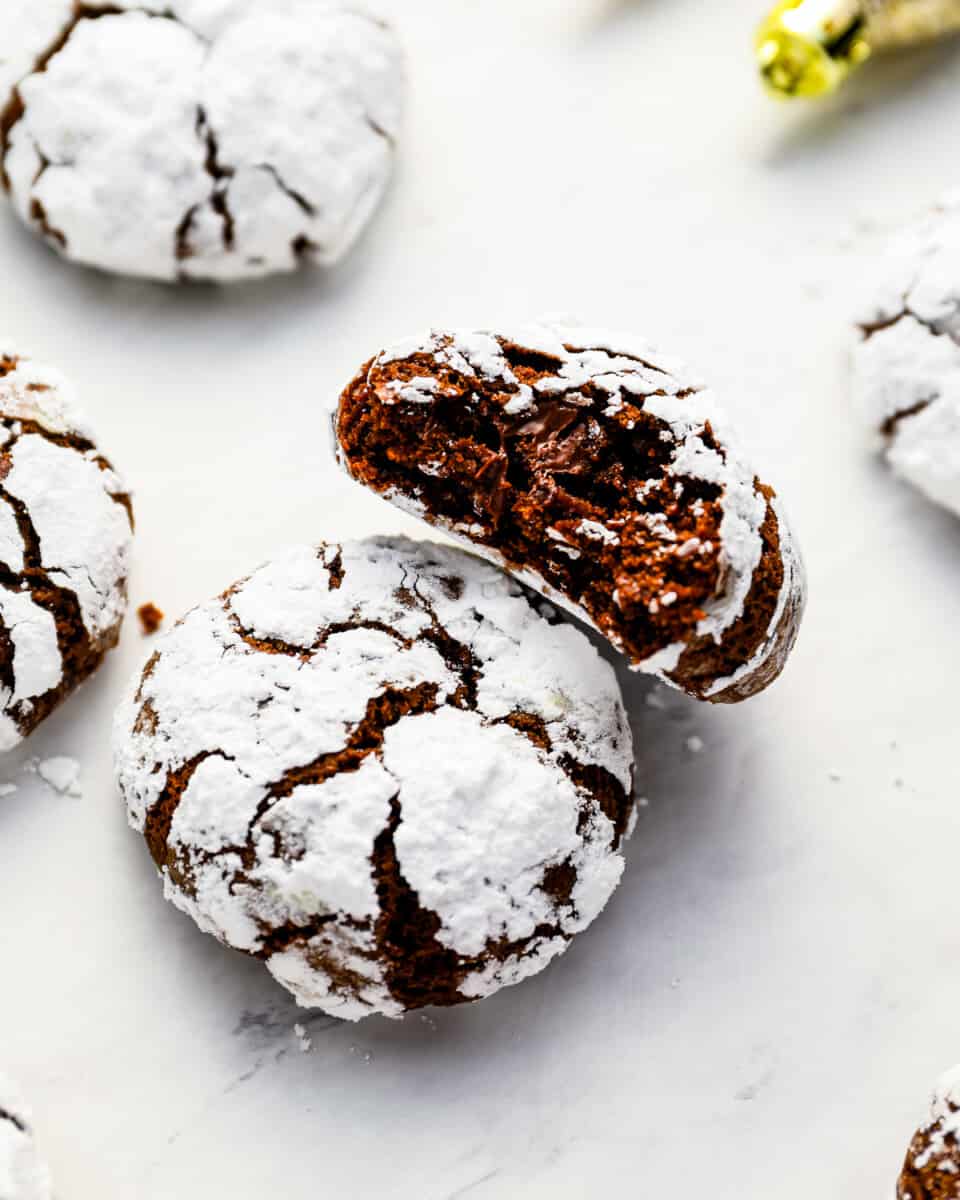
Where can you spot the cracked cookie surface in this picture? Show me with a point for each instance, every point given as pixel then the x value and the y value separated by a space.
pixel 385 770
pixel 198 139
pixel 906 363
pixel 932 1167
pixel 601 474
pixel 23 1176
pixel 66 528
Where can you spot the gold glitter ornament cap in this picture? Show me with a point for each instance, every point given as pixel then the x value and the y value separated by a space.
pixel 809 47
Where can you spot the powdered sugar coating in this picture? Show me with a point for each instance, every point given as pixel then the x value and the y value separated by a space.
pixel 200 139
pixel 23 1176
pixel 482 729
pixel 946 1097
pixel 703 447
pixel 907 360
pixel 65 539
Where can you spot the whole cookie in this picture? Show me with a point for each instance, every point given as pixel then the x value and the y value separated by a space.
pixel 381 770
pixel 66 526
pixel 932 1167
pixel 601 474
pixel 907 359
pixel 22 1174
pixel 198 139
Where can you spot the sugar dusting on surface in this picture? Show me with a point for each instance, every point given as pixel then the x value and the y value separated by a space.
pixel 62 774
pixel 59 773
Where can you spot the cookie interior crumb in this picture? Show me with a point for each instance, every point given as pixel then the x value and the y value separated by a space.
pixel 599 473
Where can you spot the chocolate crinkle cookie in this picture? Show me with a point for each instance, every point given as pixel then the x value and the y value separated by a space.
pixel 23 1176
pixel 198 139
pixel 932 1167
pixel 600 473
pixel 907 357
pixel 383 769
pixel 66 526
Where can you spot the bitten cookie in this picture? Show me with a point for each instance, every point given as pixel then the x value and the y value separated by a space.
pixel 381 770
pixel 198 139
pixel 22 1174
pixel 66 525
pixel 932 1167
pixel 600 473
pixel 907 359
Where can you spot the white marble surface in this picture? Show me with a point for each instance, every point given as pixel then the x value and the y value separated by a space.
pixel 767 1000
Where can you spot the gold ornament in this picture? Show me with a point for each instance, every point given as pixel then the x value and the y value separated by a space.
pixel 809 47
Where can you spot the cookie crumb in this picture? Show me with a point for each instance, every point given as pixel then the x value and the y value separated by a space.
pixel 151 618
pixel 834 776
pixel 306 1042
pixel 695 745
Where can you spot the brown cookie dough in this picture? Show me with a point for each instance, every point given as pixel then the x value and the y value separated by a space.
pixel 602 475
